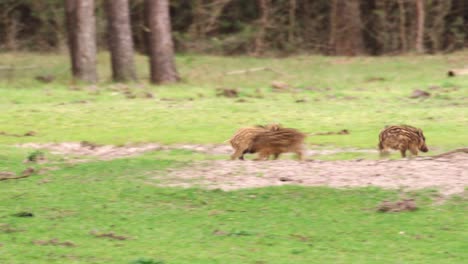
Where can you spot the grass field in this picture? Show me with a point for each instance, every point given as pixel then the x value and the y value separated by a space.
pixel 112 212
pixel 269 225
pixel 339 94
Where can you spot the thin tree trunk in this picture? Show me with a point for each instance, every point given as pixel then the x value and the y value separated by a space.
pixel 420 16
pixel 333 27
pixel 81 26
pixel 372 25
pixel 346 34
pixel 438 24
pixel 292 21
pixel 195 28
pixel 120 40
pixel 11 32
pixel 263 6
pixel 401 7
pixel 11 26
pixel 215 13
pixel 161 46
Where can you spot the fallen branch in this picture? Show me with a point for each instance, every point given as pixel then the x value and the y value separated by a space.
pixel 254 70
pixel 14 178
pixel 9 175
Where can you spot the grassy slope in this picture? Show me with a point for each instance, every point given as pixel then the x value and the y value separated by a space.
pixel 268 225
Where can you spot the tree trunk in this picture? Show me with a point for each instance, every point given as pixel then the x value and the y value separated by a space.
pixel 437 26
pixel 292 21
pixel 346 34
pixel 420 16
pixel 120 40
pixel 402 12
pixel 161 47
pixel 215 13
pixel 195 28
pixel 81 26
pixel 263 6
pixel 11 32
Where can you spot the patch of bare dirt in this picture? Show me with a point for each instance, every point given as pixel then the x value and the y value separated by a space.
pixel 27 134
pixel 448 175
pixel 110 235
pixel 103 152
pixel 109 152
pixel 447 172
pixel 419 94
pixel 7 228
pixel 398 206
pixel 53 242
pixel 227 92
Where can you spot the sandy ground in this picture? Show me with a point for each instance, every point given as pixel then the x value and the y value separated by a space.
pixel 109 152
pixel 102 152
pixel 447 172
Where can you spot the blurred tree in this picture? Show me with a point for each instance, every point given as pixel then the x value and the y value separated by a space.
pixel 9 15
pixel 268 27
pixel 120 40
pixel 81 26
pixel 161 47
pixel 264 7
pixel 403 35
pixel 420 17
pixel 346 36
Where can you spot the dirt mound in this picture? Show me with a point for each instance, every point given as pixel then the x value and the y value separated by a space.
pixel 450 176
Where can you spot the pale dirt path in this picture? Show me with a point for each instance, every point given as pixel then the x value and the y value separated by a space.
pixel 448 174
pixel 109 152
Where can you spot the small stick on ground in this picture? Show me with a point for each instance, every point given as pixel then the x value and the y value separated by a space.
pixel 9 176
pixel 254 70
pixel 14 178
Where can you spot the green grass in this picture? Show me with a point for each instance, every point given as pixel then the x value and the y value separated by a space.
pixel 190 112
pixel 267 225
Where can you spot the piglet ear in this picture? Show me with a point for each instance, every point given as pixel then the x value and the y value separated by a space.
pixel 420 133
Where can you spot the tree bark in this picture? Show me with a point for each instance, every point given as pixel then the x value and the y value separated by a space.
pixel 292 21
pixel 81 26
pixel 401 7
pixel 161 46
pixel 120 40
pixel 263 6
pixel 420 16
pixel 11 32
pixel 346 34
pixel 196 27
